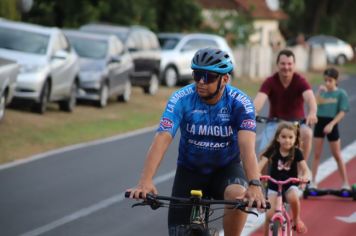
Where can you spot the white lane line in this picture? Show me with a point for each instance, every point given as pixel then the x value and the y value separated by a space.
pixel 324 170
pixel 76 146
pixel 90 210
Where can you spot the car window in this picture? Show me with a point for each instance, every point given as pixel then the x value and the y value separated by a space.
pixel 331 40
pixel 195 44
pixel 23 41
pixel 316 40
pixel 168 43
pixel 89 48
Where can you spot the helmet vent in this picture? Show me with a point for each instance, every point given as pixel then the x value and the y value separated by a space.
pixel 209 59
pixel 204 55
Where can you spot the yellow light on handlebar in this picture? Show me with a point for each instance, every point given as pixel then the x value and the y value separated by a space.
pixel 196 193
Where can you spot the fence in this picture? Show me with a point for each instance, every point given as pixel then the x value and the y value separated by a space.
pixel 257 62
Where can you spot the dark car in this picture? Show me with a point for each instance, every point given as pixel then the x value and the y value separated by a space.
pixel 143 46
pixel 104 67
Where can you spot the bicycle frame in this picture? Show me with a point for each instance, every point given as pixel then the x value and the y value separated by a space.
pixel 281 214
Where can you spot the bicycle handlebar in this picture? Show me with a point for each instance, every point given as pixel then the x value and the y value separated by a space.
pixel 283 182
pixel 153 201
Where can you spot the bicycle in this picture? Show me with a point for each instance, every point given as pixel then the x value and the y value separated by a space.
pixel 200 213
pixel 281 223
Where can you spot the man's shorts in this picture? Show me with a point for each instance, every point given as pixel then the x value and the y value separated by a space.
pixel 213 186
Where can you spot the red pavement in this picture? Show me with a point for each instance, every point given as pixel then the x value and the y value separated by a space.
pixel 319 213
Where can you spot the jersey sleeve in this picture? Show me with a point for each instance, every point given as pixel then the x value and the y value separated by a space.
pixel 171 117
pixel 245 115
pixel 344 102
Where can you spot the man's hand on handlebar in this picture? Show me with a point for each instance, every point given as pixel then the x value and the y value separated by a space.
pixel 143 188
pixel 254 193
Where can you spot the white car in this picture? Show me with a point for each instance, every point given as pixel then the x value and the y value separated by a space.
pixel 178 50
pixel 337 51
pixel 49 66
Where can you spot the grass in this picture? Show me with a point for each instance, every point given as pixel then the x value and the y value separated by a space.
pixel 23 133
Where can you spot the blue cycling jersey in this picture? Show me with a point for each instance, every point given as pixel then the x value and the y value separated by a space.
pixel 208 132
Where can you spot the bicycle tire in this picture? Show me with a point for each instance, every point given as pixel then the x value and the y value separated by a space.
pixel 277 229
pixel 213 232
pixel 191 230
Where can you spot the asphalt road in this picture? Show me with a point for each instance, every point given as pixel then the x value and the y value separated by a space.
pixel 80 191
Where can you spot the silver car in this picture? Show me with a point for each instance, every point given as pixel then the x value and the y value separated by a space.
pixel 49 66
pixel 8 74
pixel 337 51
pixel 178 50
pixel 142 44
pixel 104 66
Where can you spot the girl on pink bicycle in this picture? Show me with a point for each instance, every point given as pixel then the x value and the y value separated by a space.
pixel 285 160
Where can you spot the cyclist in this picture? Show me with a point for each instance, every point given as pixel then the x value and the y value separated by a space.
pixel 286 160
pixel 332 105
pixel 287 91
pixel 217 125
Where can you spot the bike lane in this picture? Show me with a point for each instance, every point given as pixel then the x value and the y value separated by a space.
pixel 329 215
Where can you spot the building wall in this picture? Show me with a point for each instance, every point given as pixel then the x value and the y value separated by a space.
pixel 267 34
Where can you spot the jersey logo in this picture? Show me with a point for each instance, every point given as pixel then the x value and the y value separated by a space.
pixel 248 124
pixel 166 123
pixel 224 114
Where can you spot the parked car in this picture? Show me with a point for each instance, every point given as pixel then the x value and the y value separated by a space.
pixel 104 67
pixel 178 50
pixel 337 51
pixel 8 74
pixel 49 66
pixel 143 46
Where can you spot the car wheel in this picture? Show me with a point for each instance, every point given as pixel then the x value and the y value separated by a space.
pixel 340 60
pixel 41 106
pixel 2 106
pixel 69 104
pixel 153 86
pixel 103 95
pixel 170 77
pixel 125 97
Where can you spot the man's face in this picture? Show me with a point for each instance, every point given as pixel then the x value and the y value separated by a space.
pixel 206 82
pixel 286 66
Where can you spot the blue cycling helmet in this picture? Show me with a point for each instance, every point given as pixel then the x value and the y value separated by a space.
pixel 212 59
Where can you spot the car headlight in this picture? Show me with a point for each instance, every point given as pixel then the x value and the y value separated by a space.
pixel 31 68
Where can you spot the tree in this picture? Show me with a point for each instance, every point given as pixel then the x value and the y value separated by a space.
pixel 320 17
pixel 8 9
pixel 178 15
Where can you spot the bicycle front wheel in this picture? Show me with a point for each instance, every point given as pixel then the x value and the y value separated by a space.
pixel 277 229
pixel 213 232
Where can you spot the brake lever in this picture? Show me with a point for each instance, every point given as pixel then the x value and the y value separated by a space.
pixel 154 204
pixel 144 203
pixel 249 212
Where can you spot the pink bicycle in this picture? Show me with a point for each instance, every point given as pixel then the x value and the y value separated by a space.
pixel 281 224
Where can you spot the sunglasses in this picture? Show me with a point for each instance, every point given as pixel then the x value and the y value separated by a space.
pixel 207 76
